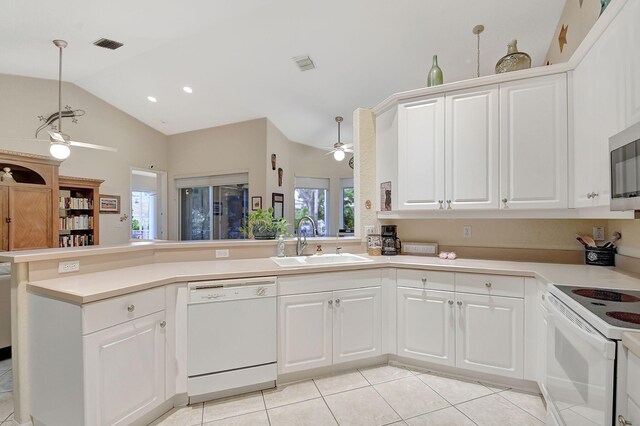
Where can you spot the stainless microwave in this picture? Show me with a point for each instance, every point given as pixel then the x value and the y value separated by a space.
pixel 624 156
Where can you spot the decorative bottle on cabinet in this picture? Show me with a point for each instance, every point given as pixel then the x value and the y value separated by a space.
pixel 435 73
pixel 513 60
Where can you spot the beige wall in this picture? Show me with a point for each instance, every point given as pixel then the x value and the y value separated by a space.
pixel 23 99
pixel 277 143
pixel 234 148
pixel 577 17
pixel 629 245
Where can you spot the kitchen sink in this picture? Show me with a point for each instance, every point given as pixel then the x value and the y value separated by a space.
pixel 325 259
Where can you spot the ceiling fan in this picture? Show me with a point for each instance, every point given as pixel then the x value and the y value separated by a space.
pixel 60 142
pixel 339 149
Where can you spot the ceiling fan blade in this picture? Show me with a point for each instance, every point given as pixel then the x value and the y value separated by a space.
pixel 330 152
pixel 347 145
pixel 93 146
pixel 348 150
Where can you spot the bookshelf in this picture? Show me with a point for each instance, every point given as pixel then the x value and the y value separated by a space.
pixel 78 218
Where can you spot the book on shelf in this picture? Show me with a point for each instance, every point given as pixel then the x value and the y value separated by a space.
pixel 75 240
pixel 79 222
pixel 66 201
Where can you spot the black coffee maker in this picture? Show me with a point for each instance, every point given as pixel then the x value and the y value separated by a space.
pixel 391 244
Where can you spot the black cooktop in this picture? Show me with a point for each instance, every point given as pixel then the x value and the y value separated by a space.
pixel 620 308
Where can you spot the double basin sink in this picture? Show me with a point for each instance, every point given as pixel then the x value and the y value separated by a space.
pixel 315 260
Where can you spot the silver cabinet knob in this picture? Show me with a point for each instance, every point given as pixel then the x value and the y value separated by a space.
pixel 330 302
pixel 590 195
pixel 595 194
pixel 337 301
pixel 504 200
pixel 424 280
pixel 488 285
pixel 448 204
pixel 441 202
pixel 131 308
pixel 451 302
pixel 459 303
pixel 623 422
pixel 163 324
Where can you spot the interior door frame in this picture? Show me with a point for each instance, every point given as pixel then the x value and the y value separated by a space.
pixel 161 194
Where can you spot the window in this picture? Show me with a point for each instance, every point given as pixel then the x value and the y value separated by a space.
pixel 347 216
pixel 143 215
pixel 213 207
pixel 311 195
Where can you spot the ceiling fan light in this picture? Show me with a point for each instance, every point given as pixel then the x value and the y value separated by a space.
pixel 338 155
pixel 59 151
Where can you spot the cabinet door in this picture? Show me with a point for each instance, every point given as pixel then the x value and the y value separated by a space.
pixel 305 331
pixel 472 149
pixel 630 17
pixel 124 371
pixel 421 154
pixel 533 143
pixel 490 332
pixel 30 213
pixel 357 325
pixel 4 214
pixel 426 325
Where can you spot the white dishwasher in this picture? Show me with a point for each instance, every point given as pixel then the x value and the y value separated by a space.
pixel 231 341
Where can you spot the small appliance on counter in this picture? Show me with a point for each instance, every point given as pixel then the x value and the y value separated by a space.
pixel 391 244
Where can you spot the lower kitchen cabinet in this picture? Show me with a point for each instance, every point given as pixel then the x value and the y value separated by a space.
pixel 321 329
pixel 426 325
pixel 490 334
pixel 125 370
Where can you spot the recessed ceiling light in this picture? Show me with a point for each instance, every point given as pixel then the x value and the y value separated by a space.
pixel 152 99
pixel 187 89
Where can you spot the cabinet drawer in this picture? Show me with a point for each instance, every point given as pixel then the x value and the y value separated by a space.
pixel 497 285
pixel 106 313
pixel 435 280
pixel 633 372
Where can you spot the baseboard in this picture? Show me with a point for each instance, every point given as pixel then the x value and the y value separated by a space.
pixel 5 353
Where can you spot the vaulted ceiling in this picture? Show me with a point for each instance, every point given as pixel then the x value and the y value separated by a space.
pixel 236 55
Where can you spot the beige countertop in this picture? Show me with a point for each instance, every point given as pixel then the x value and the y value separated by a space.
pixel 631 339
pixel 91 287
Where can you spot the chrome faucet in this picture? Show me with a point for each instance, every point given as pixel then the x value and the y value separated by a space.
pixel 301 245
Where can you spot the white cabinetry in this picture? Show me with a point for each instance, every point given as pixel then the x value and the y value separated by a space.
pixel 421 154
pixel 329 327
pixel 533 143
pixel 472 148
pixel 474 327
pixel 628 399
pixel 125 370
pixel 490 334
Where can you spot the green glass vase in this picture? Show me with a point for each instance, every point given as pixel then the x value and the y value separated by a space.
pixel 435 73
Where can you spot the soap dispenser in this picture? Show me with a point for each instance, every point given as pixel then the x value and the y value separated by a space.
pixel 280 248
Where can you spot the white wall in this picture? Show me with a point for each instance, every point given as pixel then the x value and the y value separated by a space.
pixel 23 99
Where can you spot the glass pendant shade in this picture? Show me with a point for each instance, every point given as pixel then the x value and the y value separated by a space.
pixel 338 155
pixel 59 150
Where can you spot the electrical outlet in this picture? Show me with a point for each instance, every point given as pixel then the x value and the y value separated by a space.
pixel 598 233
pixel 222 253
pixel 466 231
pixel 368 230
pixel 70 266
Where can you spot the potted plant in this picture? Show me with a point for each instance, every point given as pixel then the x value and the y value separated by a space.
pixel 261 225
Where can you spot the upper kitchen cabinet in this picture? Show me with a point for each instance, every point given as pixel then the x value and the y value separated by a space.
pixel 606 99
pixel 421 154
pixel 472 149
pixel 533 143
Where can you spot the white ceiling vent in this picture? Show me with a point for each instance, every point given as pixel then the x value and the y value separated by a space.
pixel 304 62
pixel 108 44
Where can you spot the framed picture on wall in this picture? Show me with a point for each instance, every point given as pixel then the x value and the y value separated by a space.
pixel 109 204
pixel 256 203
pixel 277 202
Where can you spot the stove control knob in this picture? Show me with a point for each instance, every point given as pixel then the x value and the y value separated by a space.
pixel 623 422
pixel 261 291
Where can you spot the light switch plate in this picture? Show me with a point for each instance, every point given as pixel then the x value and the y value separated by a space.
pixel 368 230
pixel 466 231
pixel 70 266
pixel 598 233
pixel 222 253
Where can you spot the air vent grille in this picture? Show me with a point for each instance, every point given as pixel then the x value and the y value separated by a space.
pixel 304 62
pixel 108 44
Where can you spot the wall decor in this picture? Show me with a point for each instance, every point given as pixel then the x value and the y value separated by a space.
pixel 256 203
pixel 109 204
pixel 367 204
pixel 385 196
pixel 562 38
pixel 273 161
pixel 277 202
pixel 351 162
pixel 280 173
pixel 576 21
pixel 434 78
pixel 513 60
pixel 217 208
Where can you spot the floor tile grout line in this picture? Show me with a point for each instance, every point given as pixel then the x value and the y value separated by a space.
pixel 389 404
pixel 519 407
pixel 325 402
pixel 461 412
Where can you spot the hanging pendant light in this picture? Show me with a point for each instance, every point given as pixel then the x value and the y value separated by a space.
pixel 340 149
pixel 60 146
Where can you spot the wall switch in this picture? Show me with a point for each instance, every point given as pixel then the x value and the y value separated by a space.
pixel 598 233
pixel 70 266
pixel 368 230
pixel 222 253
pixel 466 231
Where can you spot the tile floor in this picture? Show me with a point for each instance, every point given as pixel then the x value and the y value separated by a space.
pixel 6 394
pixel 382 395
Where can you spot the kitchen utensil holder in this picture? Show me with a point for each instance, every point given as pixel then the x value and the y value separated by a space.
pixel 600 256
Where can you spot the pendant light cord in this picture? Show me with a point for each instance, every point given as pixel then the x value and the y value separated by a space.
pixel 60 91
pixel 478 56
